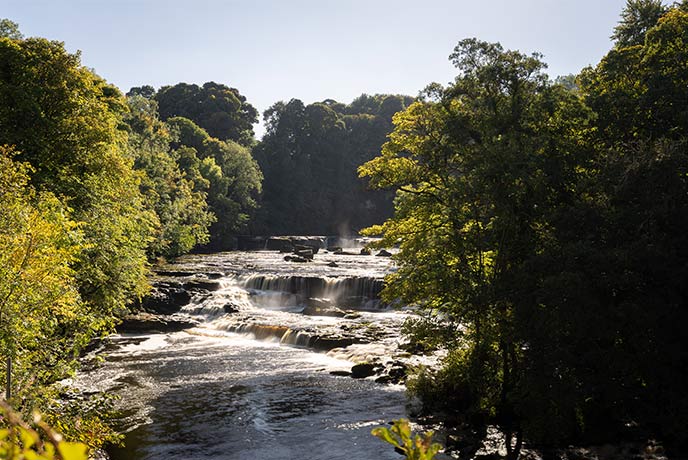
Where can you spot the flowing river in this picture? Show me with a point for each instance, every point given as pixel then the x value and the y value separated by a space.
pixel 253 379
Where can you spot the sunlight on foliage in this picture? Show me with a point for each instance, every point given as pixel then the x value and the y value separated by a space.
pixel 20 441
pixel 418 447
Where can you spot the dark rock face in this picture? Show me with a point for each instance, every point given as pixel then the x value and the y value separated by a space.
pixel 328 343
pixel 384 253
pixel 304 251
pixel 341 373
pixel 365 252
pixel 362 370
pixel 250 243
pixel 229 308
pixel 166 298
pixel 315 243
pixel 202 284
pixel 147 322
pixel 279 243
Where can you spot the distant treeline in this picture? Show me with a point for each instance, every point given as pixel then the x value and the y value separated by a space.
pixel 308 157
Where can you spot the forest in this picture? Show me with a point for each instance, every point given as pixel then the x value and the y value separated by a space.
pixel 540 224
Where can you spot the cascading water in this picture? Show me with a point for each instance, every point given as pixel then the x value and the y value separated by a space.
pixel 247 383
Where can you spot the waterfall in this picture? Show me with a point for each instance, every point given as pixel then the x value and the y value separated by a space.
pixel 350 292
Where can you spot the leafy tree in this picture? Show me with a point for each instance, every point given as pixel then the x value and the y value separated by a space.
pixel 145 91
pixel 637 18
pixel 221 111
pixel 9 29
pixel 309 157
pixel 481 166
pixel 179 203
pixel 638 94
pixel 42 319
pixel 65 122
pixel 227 169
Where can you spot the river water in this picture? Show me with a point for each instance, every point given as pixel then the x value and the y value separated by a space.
pixel 247 383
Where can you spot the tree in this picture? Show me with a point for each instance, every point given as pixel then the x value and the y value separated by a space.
pixel 481 166
pixel 65 122
pixel 222 111
pixel 639 96
pixel 227 169
pixel 178 202
pixel 309 157
pixel 637 18
pixel 42 319
pixel 9 29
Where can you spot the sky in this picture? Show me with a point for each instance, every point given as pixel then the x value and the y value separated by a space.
pixel 272 50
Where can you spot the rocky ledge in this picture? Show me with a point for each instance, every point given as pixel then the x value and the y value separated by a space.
pixel 149 322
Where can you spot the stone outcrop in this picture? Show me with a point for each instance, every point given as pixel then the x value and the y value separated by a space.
pixel 148 322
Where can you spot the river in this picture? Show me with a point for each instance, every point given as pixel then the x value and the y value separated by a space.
pixel 253 379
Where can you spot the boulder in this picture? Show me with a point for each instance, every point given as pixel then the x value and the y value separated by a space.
pixel 229 308
pixel 202 285
pixel 341 373
pixel 314 244
pixel 328 343
pixel 279 243
pixel 384 253
pixel 365 252
pixel 362 370
pixel 304 251
pixel 297 259
pixel 165 298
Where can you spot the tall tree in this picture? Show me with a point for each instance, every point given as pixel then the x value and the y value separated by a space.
pixel 227 169
pixel 481 167
pixel 65 122
pixel 222 111
pixel 637 18
pixel 309 156
pixel 178 202
pixel 644 189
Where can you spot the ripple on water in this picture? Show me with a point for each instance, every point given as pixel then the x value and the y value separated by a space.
pixel 215 394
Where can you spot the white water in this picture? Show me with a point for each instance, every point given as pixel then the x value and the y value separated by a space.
pixel 244 385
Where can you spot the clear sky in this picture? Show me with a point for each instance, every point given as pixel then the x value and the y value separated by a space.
pixel 313 50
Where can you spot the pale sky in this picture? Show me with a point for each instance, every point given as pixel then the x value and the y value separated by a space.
pixel 312 50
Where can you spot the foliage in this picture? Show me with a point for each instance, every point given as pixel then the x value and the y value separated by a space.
pixel 20 441
pixel 221 111
pixel 429 331
pixel 413 448
pixel 637 18
pixel 549 222
pixel 65 122
pixel 177 197
pixel 42 319
pixel 309 156
pixel 227 169
pixel 9 29
pixel 481 166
